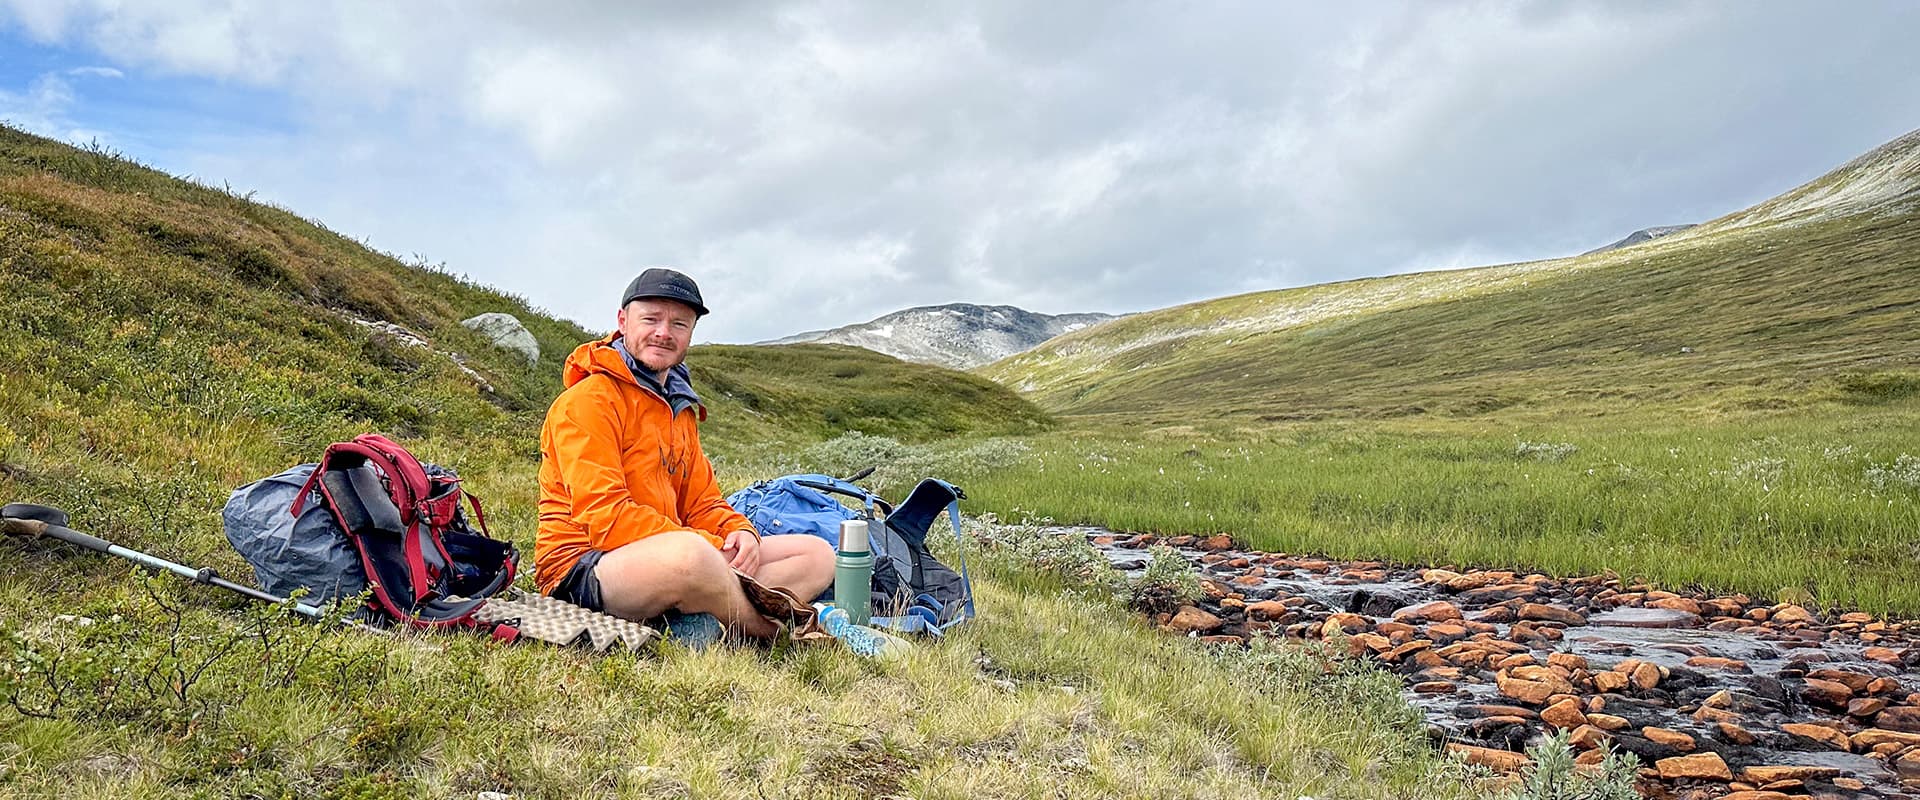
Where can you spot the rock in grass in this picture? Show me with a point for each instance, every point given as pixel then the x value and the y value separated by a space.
pixel 1496 760
pixel 1190 619
pixel 506 332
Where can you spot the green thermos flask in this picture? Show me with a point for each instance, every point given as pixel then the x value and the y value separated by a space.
pixel 853 572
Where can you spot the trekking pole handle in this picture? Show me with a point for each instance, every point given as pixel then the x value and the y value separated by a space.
pixel 35 528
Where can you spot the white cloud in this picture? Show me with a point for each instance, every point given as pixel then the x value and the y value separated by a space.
pixel 820 163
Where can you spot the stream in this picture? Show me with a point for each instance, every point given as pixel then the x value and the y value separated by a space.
pixel 1718 695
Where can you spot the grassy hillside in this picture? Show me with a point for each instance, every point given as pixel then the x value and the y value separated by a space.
pixel 162 342
pixel 1812 296
pixel 1730 407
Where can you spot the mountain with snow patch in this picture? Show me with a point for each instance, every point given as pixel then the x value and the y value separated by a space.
pixel 1642 235
pixel 956 335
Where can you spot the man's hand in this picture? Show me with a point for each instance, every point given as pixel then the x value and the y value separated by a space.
pixel 742 549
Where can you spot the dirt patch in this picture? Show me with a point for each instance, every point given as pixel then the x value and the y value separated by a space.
pixel 865 768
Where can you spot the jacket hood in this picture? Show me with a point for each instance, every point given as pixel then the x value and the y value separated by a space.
pixel 608 357
pixel 596 357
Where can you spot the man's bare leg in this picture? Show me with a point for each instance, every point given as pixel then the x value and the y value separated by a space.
pixel 800 564
pixel 677 570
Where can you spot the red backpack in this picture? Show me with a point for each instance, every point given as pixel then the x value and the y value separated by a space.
pixel 426 567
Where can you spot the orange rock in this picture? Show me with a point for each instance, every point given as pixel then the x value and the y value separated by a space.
pixel 1700 766
pixel 1905 719
pixel 1515 660
pixel 1908 765
pixel 1546 613
pixel 1396 654
pixel 1883 686
pixel 1564 714
pixel 1883 655
pixel 1819 733
pixel 1607 722
pixel 1343 623
pixel 1866 707
pixel 1645 676
pixel 1566 661
pixel 1436 611
pixel 1831 694
pixel 1587 737
pixel 1765 775
pixel 1391 628
pixel 1669 738
pixel 1446 632
pixel 1873 737
pixel 1719 699
pixel 1193 620
pixel 1266 609
pixel 1792 614
pixel 1677 604
pixel 1609 681
pixel 1711 714
pixel 1734 733
pixel 1525 691
pixel 1854 681
pixel 1756 794
pixel 1712 662
pixel 1433 687
pixel 1363 643
pixel 1220 542
pixel 1496 760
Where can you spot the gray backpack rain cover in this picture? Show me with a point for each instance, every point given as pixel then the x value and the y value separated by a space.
pixel 290 553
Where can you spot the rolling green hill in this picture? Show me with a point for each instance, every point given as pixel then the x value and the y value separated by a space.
pixel 1812 295
pixel 154 332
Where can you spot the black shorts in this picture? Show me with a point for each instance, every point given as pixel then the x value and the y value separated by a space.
pixel 581 587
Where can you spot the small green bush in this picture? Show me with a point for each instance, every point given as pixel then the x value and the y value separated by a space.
pixel 1553 776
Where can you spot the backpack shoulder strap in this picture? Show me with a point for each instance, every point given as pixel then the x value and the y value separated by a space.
pixel 953 515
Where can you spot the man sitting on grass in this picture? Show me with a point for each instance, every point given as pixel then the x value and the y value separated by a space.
pixel 631 519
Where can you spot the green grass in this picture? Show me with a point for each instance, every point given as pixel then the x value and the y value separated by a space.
pixel 1049 695
pixel 1768 504
pixel 161 343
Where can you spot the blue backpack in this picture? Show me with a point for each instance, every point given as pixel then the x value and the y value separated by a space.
pixel 912 591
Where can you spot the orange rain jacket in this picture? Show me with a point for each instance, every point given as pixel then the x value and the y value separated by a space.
pixel 618 465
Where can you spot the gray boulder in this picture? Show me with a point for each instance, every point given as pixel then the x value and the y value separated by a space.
pixel 505 331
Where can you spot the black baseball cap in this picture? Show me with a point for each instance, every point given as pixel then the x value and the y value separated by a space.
pixel 665 284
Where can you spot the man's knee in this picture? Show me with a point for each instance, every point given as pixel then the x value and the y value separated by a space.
pixel 669 561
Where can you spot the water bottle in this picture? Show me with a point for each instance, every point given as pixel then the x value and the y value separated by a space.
pixel 862 640
pixel 853 572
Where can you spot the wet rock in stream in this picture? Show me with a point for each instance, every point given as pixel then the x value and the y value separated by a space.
pixel 1719 696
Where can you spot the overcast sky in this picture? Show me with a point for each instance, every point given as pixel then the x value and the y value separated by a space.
pixel 819 164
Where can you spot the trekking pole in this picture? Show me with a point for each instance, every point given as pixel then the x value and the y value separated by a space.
pixel 34 521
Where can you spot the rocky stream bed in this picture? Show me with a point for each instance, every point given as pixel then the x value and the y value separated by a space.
pixel 1720 696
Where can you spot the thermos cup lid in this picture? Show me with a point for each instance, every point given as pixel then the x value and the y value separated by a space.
pixel 853 536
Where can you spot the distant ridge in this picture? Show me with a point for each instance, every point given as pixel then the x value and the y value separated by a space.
pixel 1642 235
pixel 956 335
